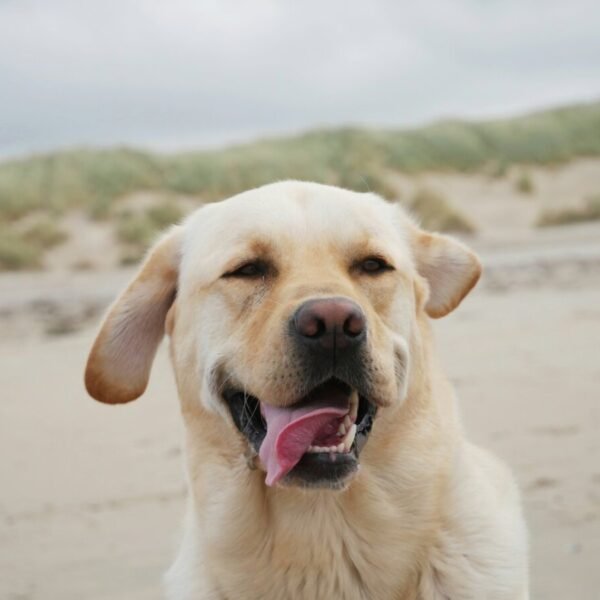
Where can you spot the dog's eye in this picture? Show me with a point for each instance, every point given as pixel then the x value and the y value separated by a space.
pixel 374 265
pixel 249 270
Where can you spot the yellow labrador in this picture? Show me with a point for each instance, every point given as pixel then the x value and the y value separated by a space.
pixel 324 452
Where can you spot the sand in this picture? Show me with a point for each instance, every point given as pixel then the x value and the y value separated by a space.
pixel 92 496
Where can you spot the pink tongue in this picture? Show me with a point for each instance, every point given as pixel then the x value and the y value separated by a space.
pixel 290 431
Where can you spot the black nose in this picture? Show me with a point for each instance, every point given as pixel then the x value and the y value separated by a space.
pixel 330 323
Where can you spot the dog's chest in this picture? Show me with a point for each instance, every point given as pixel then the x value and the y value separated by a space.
pixel 322 557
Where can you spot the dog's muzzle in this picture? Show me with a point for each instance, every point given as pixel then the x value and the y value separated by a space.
pixel 315 440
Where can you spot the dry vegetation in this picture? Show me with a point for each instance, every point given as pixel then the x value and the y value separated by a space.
pixel 136 230
pixel 436 213
pixel 16 253
pixel 22 247
pixel 524 184
pixel 588 210
pixel 96 182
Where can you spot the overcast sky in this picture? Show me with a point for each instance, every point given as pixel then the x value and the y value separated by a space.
pixel 185 73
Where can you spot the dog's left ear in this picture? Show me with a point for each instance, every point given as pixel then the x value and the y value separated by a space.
pixel 119 364
pixel 450 269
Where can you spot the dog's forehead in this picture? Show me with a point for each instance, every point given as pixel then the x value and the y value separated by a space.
pixel 291 216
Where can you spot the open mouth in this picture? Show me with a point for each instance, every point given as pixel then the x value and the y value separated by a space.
pixel 315 441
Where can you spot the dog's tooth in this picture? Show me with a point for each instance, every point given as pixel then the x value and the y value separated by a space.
pixel 349 439
pixel 342 429
pixel 353 406
pixel 340 447
pixel 347 422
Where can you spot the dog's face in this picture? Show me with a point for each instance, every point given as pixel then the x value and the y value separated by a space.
pixel 293 311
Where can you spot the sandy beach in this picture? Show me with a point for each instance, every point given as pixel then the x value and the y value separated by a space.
pixel 92 496
pixel 120 120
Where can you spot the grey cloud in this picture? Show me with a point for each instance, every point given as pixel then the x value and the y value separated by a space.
pixel 189 72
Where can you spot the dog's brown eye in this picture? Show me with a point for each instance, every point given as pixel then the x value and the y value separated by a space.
pixel 249 270
pixel 373 265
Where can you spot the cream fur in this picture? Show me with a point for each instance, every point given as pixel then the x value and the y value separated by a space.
pixel 428 517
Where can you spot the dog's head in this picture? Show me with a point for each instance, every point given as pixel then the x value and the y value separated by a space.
pixel 294 312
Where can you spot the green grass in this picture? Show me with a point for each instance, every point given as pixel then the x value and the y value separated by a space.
pixel 524 184
pixel 23 248
pixel 360 159
pixel 89 179
pixel 588 211
pixel 164 214
pixel 44 233
pixel 16 253
pixel 436 213
pixel 137 230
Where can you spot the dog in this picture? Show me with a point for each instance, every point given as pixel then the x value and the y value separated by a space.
pixel 325 456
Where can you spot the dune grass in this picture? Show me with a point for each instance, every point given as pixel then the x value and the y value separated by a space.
pixel 89 179
pixel 358 159
pixel 137 230
pixel 589 210
pixel 23 247
pixel 524 184
pixel 436 213
pixel 44 233
pixel 16 253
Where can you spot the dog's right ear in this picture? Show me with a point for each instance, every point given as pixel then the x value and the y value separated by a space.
pixel 119 364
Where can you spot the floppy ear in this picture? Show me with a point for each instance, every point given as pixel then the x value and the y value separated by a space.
pixel 120 360
pixel 450 268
